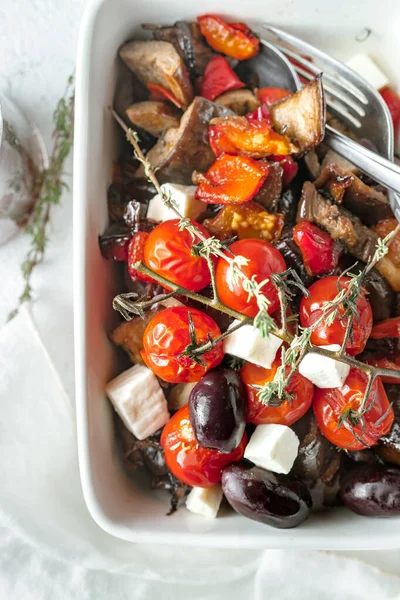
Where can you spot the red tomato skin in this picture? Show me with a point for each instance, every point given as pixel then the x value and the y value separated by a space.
pixel 168 252
pixel 285 414
pixel 289 166
pixel 136 254
pixel 187 460
pixel 393 102
pixel 310 310
pixel 329 404
pixel 319 251
pixel 393 362
pixel 167 336
pixel 264 259
pixel 387 328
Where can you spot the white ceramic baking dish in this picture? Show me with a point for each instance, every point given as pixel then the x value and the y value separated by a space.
pixel 123 508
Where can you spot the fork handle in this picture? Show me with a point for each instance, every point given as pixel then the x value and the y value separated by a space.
pixel 378 168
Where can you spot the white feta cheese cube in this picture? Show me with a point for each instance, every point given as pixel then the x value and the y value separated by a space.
pixel 247 343
pixel 179 395
pixel 367 68
pixel 322 371
pixel 139 400
pixel 205 501
pixel 183 195
pixel 273 447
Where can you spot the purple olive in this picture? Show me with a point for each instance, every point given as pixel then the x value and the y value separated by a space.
pixel 373 491
pixel 218 410
pixel 278 500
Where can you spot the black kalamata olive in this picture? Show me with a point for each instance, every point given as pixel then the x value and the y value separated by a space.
pixel 278 500
pixel 218 410
pixel 372 491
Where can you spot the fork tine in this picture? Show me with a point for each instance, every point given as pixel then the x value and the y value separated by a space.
pixel 343 91
pixel 352 78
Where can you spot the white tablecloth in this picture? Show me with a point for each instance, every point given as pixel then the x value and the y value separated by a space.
pixel 50 547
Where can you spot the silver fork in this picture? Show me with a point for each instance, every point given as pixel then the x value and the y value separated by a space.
pixel 355 102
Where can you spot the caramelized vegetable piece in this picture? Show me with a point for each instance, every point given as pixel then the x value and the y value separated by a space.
pixel 389 445
pixel 271 95
pixel 248 220
pixel 302 116
pixel 159 63
pixel 154 117
pixel 240 102
pixel 158 92
pixel 271 189
pixel 238 135
pixel 180 151
pixel 383 228
pixel 218 78
pixel 232 179
pixel 319 251
pixel 129 335
pixel 232 39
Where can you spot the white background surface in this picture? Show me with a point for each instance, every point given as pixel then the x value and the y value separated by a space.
pixel 57 552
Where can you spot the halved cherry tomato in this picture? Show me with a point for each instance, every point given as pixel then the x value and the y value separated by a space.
pixel 264 260
pixel 167 336
pixel 168 251
pixel 325 290
pixel 393 102
pixel 320 253
pixel 232 179
pixel 187 460
pixel 158 92
pixel 300 388
pixel 385 363
pixel 272 95
pixel 331 404
pixel 248 137
pixel 218 78
pixel 289 166
pixel 233 39
pixel 383 228
pixel 387 328
pixel 136 254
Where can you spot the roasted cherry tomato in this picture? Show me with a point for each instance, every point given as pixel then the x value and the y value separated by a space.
pixel 300 388
pixel 387 328
pixel 218 78
pixel 167 336
pixel 332 405
pixel 168 251
pixel 248 137
pixel 271 95
pixel 136 254
pixel 232 179
pixel 320 253
pixel 187 460
pixel 393 102
pixel 289 166
pixel 247 220
pixel 232 39
pixel 383 228
pixel 385 363
pixel 263 260
pixel 161 93
pixel 325 290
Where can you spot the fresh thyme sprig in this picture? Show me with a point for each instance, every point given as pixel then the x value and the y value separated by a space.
pixel 50 186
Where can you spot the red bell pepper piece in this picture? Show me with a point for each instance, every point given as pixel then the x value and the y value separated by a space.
pixel 393 102
pixel 271 95
pixel 232 39
pixel 385 363
pixel 238 135
pixel 289 166
pixel 158 92
pixel 387 328
pixel 232 179
pixel 261 113
pixel 320 253
pixel 218 78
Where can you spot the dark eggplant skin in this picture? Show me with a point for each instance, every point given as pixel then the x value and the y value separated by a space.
pixel 218 410
pixel 277 500
pixel 372 491
pixel 293 258
pixel 388 448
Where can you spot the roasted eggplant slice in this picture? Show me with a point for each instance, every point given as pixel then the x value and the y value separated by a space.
pixel 369 204
pixel 153 116
pixel 159 63
pixel 180 151
pixel 302 116
pixel 271 189
pixel 293 258
pixel 240 102
pixel 389 445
